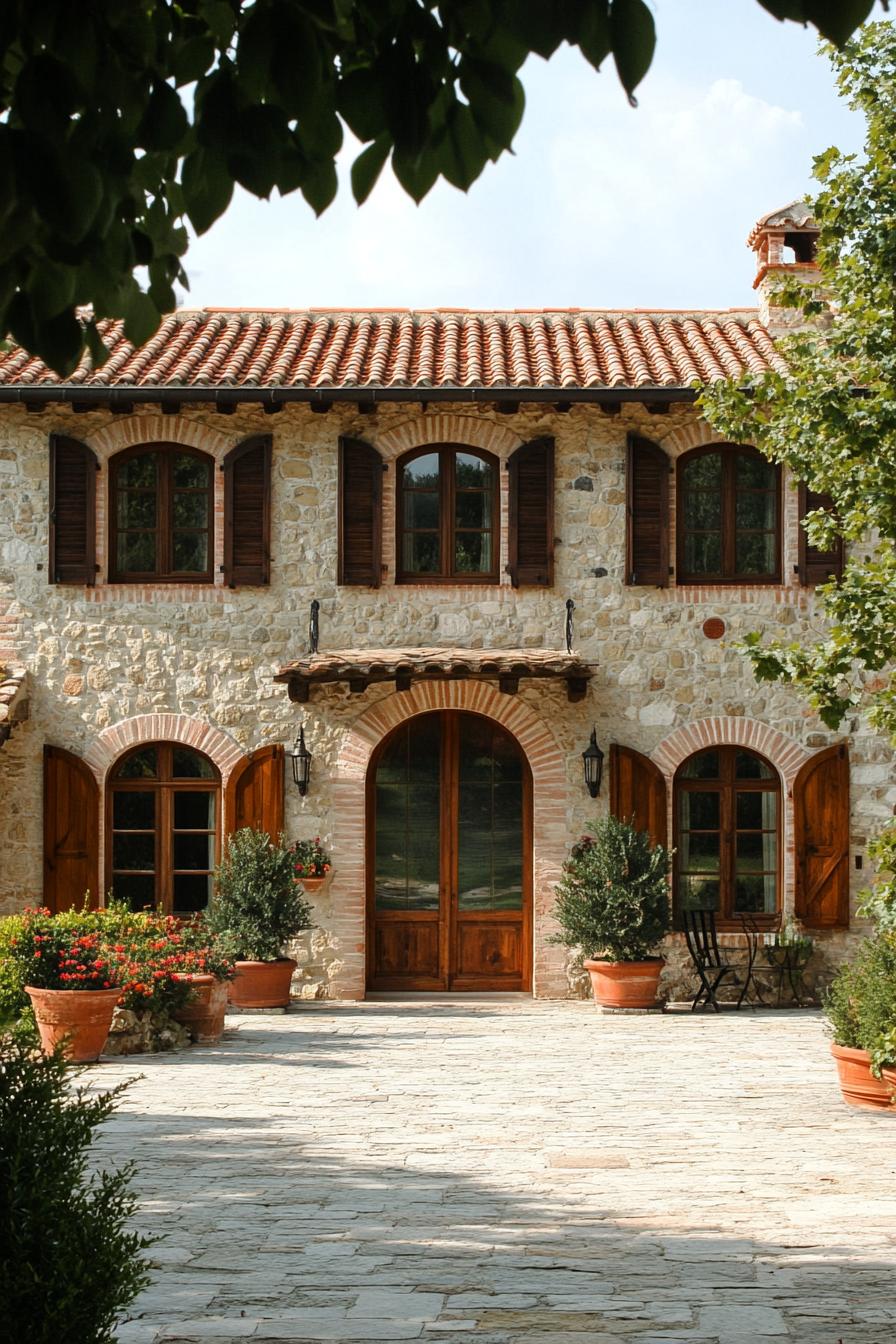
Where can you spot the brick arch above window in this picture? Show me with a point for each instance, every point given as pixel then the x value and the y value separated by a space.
pixel 128 431
pixel 114 741
pixel 447 428
pixel 785 754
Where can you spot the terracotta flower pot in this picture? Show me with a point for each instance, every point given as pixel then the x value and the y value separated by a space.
pixel 262 984
pixel 858 1084
pixel 203 1016
pixel 81 1017
pixel 625 984
pixel 312 883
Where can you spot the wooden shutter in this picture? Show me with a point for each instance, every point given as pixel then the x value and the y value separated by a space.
pixel 531 535
pixel 817 566
pixel 638 790
pixel 247 512
pixel 646 513
pixel 360 513
pixel 71 831
pixel 821 837
pixel 73 469
pixel 254 794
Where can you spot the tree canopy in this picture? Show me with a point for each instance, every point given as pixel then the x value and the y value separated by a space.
pixel 122 121
pixel 832 417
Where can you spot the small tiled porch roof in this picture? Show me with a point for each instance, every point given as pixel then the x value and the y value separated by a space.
pixel 232 355
pixel 360 668
pixel 13 707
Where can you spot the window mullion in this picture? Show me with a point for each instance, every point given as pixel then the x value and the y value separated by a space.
pixel 728 515
pixel 446 505
pixel 163 521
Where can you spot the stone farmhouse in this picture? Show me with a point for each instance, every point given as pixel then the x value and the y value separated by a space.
pixel 447 546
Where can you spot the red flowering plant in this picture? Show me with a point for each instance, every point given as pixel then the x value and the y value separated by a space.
pixel 202 951
pixel 310 859
pixel 148 951
pixel 53 954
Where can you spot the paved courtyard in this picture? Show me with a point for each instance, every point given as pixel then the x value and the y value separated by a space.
pixel 486 1172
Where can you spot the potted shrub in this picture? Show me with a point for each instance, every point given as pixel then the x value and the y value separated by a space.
pixel 861 1010
pixel 208 969
pixel 613 907
pixel 256 909
pixel 312 863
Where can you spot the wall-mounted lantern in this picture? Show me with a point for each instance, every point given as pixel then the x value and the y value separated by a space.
pixel 593 759
pixel 301 763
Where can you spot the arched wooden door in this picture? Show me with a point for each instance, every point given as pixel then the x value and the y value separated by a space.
pixel 449 857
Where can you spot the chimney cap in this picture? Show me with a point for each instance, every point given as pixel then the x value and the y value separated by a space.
pixel 795 216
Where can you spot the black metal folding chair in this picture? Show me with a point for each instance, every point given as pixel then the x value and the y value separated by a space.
pixel 709 962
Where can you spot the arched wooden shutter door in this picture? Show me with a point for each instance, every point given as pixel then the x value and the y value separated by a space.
pixel 821 838
pixel 638 790
pixel 73 469
pixel 815 565
pixel 255 792
pixel 360 513
pixel 646 513
pixel 71 831
pixel 531 531
pixel 247 512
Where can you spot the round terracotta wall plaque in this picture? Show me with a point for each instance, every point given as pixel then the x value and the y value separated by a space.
pixel 714 628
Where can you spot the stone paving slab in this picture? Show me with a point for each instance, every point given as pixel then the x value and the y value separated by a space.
pixel 500 1172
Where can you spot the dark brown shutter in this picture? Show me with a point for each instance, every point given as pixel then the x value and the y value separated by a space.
pixel 638 791
pixel 73 469
pixel 646 513
pixel 531 533
pixel 821 837
pixel 255 792
pixel 360 513
pixel 71 831
pixel 247 512
pixel 817 566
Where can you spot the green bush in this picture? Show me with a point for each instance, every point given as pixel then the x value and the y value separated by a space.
pixel 613 898
pixel 861 1003
pixel 13 999
pixel 68 1267
pixel 257 906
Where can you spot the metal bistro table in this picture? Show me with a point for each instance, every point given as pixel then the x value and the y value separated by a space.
pixel 789 962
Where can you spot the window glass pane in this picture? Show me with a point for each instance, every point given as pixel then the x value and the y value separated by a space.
pixel 134 851
pixel 699 811
pixel 137 890
pixel 472 472
pixel 754 473
pixel 190 552
pixel 473 510
pixel 421 509
pixel 755 553
pixel 489 862
pixel 421 553
pixel 191 473
pixel 473 552
pixel 141 471
pixel 136 553
pixel 186 764
pixel 194 811
pixel 142 764
pixel 132 811
pixel 423 472
pixel 407 819
pixel 192 892
pixel 703 553
pixel 136 509
pixel 704 472
pixel 755 895
pixel 194 851
pixel 703 766
pixel 699 852
pixel 191 510
pixel 748 766
pixel 756 511
pixel 752 808
pixel 702 510
pixel 757 851
pixel 698 893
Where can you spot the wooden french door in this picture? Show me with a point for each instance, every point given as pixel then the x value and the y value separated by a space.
pixel 449 857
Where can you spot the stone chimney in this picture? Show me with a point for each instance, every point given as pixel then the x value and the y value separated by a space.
pixel 784 243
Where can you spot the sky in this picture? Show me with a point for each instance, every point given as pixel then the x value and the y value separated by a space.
pixel 600 205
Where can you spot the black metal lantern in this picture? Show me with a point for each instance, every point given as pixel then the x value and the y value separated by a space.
pixel 301 763
pixel 593 758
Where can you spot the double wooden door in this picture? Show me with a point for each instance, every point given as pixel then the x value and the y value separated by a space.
pixel 449 857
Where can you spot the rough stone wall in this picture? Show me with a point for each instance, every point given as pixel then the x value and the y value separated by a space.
pixel 98 657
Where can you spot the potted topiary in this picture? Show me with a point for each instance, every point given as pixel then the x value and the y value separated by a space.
pixel 613 907
pixel 861 1010
pixel 257 908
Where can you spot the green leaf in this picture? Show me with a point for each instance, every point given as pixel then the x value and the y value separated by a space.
pixel 359 99
pixel 320 185
pixel 633 35
pixel 165 122
pixel 594 34
pixel 836 20
pixel 207 187
pixel 65 189
pixel 141 317
pixel 416 173
pixel 368 166
pixel 496 100
pixel 192 59
pixel 56 340
pixel 461 152
pixel 99 352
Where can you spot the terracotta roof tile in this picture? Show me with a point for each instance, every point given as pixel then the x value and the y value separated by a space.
pixel 314 349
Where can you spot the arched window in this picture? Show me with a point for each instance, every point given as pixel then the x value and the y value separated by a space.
pixel 728 827
pixel 447 516
pixel 162 828
pixel 728 516
pixel 161 515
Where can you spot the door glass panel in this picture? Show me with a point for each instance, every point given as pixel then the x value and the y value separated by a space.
pixel 137 890
pixel 194 811
pixel 132 811
pixel 699 810
pixel 142 764
pixel 407 819
pixel 186 764
pixel 705 765
pixel 192 892
pixel 698 893
pixel 749 766
pixel 134 851
pixel 194 851
pixel 490 820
